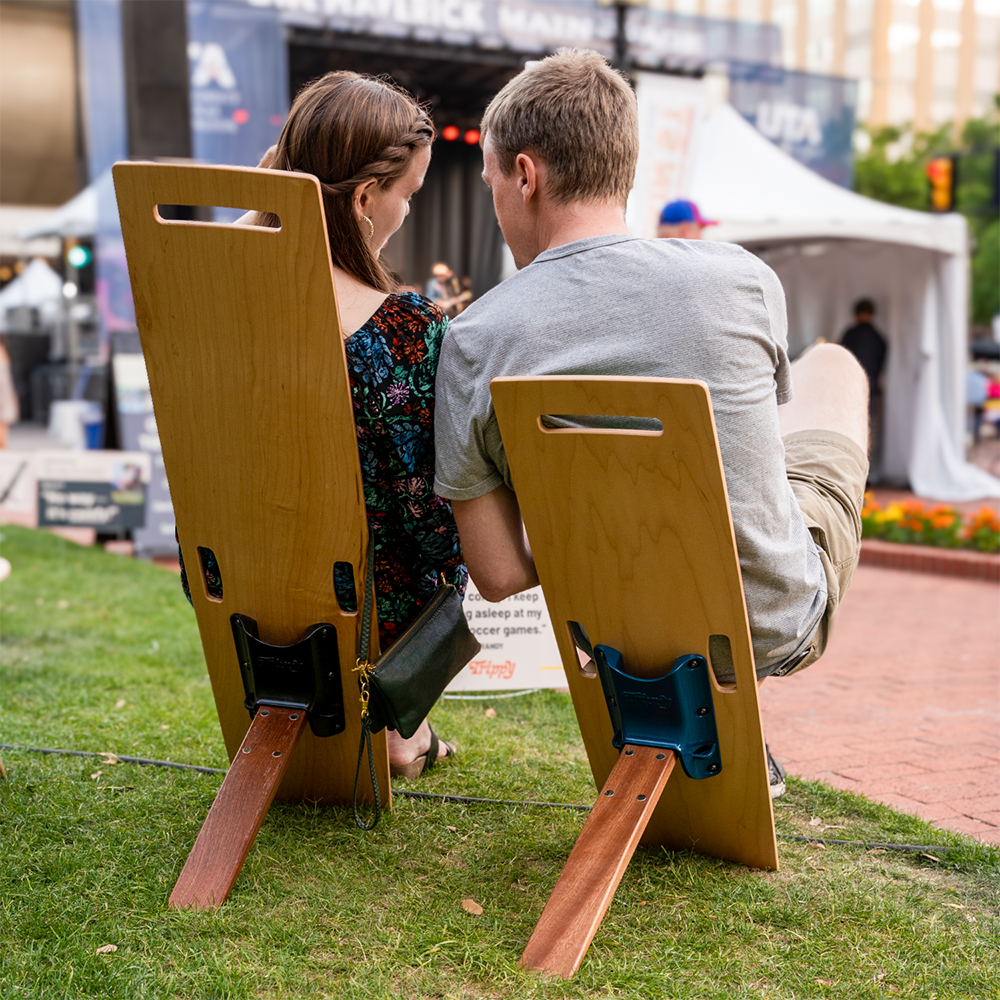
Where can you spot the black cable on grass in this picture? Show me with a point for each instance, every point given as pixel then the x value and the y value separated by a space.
pixel 119 757
pixel 469 800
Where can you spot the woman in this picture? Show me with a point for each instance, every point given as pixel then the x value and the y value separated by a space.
pixel 369 144
pixel 10 410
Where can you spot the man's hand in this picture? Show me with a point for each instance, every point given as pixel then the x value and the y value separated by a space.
pixel 494 544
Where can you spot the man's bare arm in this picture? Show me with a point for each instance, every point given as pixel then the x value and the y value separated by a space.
pixel 494 544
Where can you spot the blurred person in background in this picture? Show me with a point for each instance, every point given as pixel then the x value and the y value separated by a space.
pixel 10 410
pixel 681 220
pixel 445 290
pixel 865 342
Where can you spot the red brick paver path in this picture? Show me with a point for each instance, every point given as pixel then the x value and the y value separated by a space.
pixel 904 707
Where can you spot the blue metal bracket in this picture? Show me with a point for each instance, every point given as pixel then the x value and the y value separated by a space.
pixel 675 711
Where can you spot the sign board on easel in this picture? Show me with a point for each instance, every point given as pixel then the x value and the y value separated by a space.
pixel 519 647
pixel 671 109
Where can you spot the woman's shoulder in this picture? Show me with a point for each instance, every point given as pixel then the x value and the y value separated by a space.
pixel 411 308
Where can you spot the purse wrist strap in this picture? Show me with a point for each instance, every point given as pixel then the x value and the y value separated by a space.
pixel 364 648
pixel 364 637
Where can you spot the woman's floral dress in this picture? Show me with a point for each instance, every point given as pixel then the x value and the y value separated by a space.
pixel 392 362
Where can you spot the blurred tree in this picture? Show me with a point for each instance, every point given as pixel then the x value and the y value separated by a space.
pixel 986 274
pixel 894 169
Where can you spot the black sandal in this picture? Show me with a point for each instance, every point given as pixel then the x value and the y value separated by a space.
pixel 424 762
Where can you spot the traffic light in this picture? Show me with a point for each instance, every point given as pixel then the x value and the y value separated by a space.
pixel 941 172
pixel 79 258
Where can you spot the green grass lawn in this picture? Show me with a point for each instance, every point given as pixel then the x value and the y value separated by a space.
pixel 102 653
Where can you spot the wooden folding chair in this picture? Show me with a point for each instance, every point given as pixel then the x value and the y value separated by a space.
pixel 248 376
pixel 632 537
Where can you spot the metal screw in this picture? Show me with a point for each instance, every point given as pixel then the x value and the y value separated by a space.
pixel 246 749
pixel 264 711
pixel 640 797
pixel 628 753
pixel 277 753
pixel 293 716
pixel 694 664
pixel 703 710
pixel 712 768
pixel 660 756
pixel 609 792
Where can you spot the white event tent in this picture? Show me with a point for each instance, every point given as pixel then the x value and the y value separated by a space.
pixel 831 247
pixel 38 287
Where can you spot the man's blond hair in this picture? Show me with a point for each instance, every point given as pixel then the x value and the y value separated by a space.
pixel 579 116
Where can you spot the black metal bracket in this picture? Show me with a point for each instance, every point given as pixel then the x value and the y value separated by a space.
pixel 674 711
pixel 305 675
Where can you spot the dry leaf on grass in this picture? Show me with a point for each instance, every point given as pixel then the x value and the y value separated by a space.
pixel 823 982
pixel 491 713
pixel 96 774
pixel 106 948
pixel 120 703
pixel 109 758
pixel 924 854
pixel 471 906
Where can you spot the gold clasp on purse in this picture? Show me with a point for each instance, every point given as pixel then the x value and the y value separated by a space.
pixel 364 668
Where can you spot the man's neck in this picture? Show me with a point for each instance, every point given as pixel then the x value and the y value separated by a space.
pixel 563 224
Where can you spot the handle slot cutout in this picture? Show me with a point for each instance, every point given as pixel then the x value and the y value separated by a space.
pixel 599 423
pixel 208 215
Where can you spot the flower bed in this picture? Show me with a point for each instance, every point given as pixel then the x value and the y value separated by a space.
pixel 911 522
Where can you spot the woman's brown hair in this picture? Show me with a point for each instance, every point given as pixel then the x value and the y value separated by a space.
pixel 345 129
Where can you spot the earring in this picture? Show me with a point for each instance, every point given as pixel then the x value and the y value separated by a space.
pixel 371 226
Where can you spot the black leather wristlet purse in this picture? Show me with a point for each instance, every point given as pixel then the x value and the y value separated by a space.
pixel 402 685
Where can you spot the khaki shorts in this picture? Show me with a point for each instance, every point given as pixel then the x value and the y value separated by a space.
pixel 827 472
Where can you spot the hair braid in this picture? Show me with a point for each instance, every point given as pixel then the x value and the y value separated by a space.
pixel 361 126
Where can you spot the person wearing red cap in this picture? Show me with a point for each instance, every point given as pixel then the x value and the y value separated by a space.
pixel 681 220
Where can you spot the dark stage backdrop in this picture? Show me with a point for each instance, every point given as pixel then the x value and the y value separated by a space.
pixel 451 219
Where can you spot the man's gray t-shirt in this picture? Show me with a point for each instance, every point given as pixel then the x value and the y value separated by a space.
pixel 619 305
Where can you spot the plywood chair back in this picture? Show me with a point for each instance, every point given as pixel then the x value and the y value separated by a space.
pixel 633 540
pixel 248 376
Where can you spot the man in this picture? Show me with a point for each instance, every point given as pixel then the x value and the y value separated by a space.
pixel 681 220
pixel 591 299
pixel 867 345
pixel 445 291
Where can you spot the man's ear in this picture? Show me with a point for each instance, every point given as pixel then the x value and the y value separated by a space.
pixel 527 171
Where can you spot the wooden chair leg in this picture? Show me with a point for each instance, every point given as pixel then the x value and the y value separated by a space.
pixel 239 809
pixel 598 860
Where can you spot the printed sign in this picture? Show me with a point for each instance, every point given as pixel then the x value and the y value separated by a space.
pixel 810 117
pixel 239 86
pixel 661 38
pixel 137 428
pixel 105 490
pixel 655 37
pixel 519 648
pixel 671 109
pixel 18 488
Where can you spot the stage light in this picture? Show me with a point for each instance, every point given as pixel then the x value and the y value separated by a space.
pixel 78 256
pixel 449 133
pixel 472 136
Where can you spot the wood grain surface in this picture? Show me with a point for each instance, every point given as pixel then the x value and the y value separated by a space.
pixel 248 376
pixel 633 539
pixel 598 860
pixel 238 810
